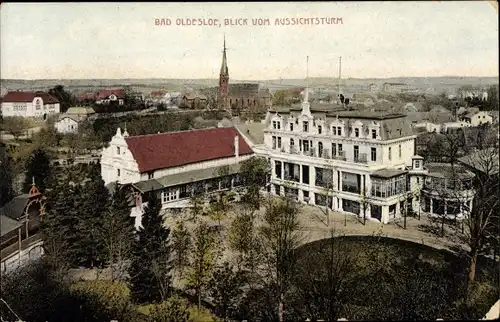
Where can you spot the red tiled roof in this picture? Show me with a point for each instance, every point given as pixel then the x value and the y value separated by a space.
pixel 27 97
pixel 105 93
pixel 86 96
pixel 158 93
pixel 166 150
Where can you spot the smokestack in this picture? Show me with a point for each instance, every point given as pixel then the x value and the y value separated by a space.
pixel 236 146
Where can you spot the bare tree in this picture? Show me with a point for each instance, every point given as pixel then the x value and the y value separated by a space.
pixel 481 219
pixel 281 234
pixel 324 285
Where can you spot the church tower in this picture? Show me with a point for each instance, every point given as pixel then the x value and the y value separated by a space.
pixel 224 81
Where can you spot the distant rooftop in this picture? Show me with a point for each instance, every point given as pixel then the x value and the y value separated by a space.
pixel 374 115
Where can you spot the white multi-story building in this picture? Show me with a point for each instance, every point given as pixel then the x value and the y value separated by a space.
pixel 351 161
pixel 29 104
pixel 174 165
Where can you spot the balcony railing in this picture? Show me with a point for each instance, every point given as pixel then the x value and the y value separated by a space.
pixel 361 158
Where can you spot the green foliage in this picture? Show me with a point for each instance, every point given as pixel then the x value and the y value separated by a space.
pixel 204 256
pixel 173 310
pixel 116 233
pixel 151 263
pixel 66 99
pixel 254 172
pixel 243 238
pixel 226 290
pixel 181 245
pixel 15 125
pixel 6 189
pixel 93 203
pixel 37 167
pixel 113 297
pixel 46 137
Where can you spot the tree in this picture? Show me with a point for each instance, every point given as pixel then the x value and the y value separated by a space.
pixel 225 290
pixel 204 256
pixel 325 285
pixel 173 310
pixel 483 216
pixel 116 233
pixel 37 167
pixel 66 99
pixel 151 264
pixel 92 210
pixel 46 137
pixel 181 245
pixel 6 190
pixel 254 172
pixel 242 238
pixel 15 125
pixel 281 236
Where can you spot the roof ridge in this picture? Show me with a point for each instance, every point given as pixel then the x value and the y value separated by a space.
pixel 183 131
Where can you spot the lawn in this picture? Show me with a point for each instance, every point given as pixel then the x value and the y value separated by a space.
pixel 376 278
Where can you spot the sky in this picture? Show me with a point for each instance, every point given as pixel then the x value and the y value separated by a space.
pixel 374 39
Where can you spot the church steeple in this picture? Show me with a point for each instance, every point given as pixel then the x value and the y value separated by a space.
pixel 224 80
pixel 223 69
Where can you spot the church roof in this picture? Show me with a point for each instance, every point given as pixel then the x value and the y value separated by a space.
pixel 173 149
pixel 223 69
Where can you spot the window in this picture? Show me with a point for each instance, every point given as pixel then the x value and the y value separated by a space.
pixel 274 142
pixel 277 169
pixel 340 149
pixel 306 146
pixel 118 172
pixel 374 154
pixel 356 132
pixel 279 125
pixel 390 153
pixel 374 134
pixel 319 129
pixel 334 149
pixel 292 143
pixel 274 125
pixel 418 180
pixel 320 149
pixel 291 126
pixel 279 143
pixel 339 131
pixel 169 195
pixel 399 148
pixel 118 150
pixel 334 130
pixel 356 152
pixel 417 164
pixel 305 126
pixel 151 175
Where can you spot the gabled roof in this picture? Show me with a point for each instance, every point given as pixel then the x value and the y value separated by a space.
pixel 485 160
pixel 105 93
pixel 15 208
pixel 86 96
pixel 7 225
pixel 28 97
pixel 80 110
pixel 166 150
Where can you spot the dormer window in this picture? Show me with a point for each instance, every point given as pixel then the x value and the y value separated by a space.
pixel 319 129
pixel 305 126
pixel 356 132
pixel 374 134
pixel 334 130
pixel 279 125
pixel 291 126
pixel 339 131
pixel 118 150
pixel 274 125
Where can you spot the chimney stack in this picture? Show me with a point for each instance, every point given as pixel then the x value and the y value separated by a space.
pixel 236 146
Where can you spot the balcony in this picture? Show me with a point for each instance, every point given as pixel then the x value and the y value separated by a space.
pixel 361 158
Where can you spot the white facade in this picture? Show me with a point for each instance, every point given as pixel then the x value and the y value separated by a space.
pixel 480 118
pixel 118 163
pixel 347 147
pixel 66 125
pixel 34 108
